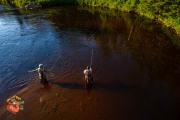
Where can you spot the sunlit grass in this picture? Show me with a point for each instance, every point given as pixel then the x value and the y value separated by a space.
pixel 166 11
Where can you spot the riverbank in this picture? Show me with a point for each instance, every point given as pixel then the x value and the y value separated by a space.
pixel 164 12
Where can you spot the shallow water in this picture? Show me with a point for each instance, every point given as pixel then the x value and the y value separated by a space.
pixel 136 65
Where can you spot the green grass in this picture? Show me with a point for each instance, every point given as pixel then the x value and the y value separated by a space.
pixel 44 3
pixel 164 11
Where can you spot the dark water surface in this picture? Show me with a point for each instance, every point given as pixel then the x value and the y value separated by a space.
pixel 136 65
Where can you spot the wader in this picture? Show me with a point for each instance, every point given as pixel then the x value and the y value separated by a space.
pixel 42 77
pixel 88 81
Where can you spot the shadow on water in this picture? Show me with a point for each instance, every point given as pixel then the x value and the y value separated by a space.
pixel 119 87
pixel 47 86
pixel 68 85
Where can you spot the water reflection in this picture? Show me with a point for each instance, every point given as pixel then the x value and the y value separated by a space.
pixel 145 66
pixel 148 45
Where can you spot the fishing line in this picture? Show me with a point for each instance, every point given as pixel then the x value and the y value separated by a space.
pixel 91 59
pixel 55 61
pixel 53 66
pixel 96 41
pixel 93 34
pixel 92 51
pixel 87 45
pixel 91 54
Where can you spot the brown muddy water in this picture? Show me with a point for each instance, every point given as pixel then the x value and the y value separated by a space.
pixel 136 65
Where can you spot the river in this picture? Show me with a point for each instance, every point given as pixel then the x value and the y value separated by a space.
pixel 136 63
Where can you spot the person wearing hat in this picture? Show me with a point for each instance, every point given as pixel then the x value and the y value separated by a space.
pixel 88 76
pixel 42 73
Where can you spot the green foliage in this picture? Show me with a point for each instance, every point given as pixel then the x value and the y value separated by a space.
pixel 20 3
pixel 165 11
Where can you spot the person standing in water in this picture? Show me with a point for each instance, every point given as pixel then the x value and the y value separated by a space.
pixel 42 73
pixel 88 76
